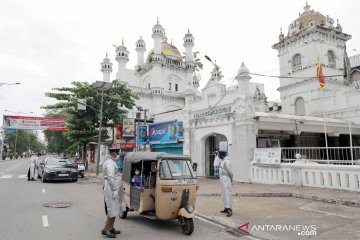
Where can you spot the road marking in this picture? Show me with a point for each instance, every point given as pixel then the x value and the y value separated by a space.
pixel 22 176
pixel 45 221
pixel 43 191
pixel 7 176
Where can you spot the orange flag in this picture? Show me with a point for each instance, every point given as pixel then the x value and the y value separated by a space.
pixel 319 73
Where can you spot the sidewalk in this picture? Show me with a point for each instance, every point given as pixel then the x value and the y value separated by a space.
pixel 335 214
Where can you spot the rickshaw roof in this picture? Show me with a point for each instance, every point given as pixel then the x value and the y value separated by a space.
pixel 150 156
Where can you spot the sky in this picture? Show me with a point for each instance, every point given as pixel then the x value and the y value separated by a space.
pixel 48 44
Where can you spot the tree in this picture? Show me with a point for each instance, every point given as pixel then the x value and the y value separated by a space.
pixel 26 140
pixel 84 124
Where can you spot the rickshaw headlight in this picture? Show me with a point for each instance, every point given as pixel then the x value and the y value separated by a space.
pixel 190 208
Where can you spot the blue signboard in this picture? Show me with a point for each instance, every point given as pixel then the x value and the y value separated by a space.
pixel 165 132
pixel 142 134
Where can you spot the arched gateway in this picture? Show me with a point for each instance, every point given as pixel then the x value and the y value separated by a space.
pixel 212 144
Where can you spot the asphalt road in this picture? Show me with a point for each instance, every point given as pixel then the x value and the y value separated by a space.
pixel 23 215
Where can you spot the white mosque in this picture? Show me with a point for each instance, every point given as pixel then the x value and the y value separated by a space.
pixel 167 86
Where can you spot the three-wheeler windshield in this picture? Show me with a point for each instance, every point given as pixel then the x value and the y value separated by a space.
pixel 175 169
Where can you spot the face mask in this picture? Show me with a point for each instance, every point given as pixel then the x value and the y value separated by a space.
pixel 137 172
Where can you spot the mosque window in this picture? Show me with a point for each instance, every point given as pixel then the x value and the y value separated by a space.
pixel 176 87
pixel 296 62
pixel 300 106
pixel 331 58
pixel 148 85
pixel 169 86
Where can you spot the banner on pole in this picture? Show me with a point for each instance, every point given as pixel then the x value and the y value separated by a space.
pixel 34 123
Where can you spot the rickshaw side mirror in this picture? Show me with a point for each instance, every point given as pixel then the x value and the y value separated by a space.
pixel 153 167
pixel 194 166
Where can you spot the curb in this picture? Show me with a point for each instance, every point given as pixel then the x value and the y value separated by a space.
pixel 230 228
pixel 346 202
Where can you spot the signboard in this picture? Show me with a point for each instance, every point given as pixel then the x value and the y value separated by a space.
pixel 165 132
pixel 180 131
pixel 129 127
pixel 118 133
pixel 216 111
pixel 267 155
pixel 142 133
pixel 34 123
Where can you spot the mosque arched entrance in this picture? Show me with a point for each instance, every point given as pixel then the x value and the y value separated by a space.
pixel 212 143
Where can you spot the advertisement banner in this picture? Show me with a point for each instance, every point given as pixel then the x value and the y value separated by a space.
pixel 142 133
pixel 165 132
pixel 118 133
pixel 129 127
pixel 34 123
pixel 180 132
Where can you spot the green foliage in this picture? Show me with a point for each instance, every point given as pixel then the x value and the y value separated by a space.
pixel 84 124
pixel 26 140
pixel 197 61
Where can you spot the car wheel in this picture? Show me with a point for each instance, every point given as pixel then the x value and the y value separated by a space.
pixel 75 180
pixel 82 174
pixel 43 178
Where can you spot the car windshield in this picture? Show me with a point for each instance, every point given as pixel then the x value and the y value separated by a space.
pixel 175 169
pixel 57 162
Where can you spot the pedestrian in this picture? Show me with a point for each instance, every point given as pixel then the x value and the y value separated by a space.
pixel 32 167
pixel 112 183
pixel 217 163
pixel 226 179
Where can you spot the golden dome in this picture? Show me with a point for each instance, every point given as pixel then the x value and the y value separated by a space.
pixel 168 51
pixel 316 17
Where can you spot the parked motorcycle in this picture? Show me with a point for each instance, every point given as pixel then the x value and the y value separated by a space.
pixel 81 167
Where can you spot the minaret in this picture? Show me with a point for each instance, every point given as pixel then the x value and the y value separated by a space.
pixel 140 49
pixel 157 58
pixel 243 77
pixel 188 44
pixel 106 68
pixel 158 36
pixel 189 61
pixel 122 57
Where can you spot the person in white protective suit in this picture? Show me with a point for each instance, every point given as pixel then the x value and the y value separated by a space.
pixel 112 183
pixel 226 179
pixel 32 167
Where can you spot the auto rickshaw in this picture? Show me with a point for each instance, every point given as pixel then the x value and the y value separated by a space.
pixel 164 189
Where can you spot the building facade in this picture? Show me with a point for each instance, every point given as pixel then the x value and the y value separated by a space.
pixel 240 115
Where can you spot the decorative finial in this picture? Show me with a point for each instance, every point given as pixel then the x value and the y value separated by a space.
pixel 171 41
pixel 188 30
pixel 106 53
pixel 157 20
pixel 280 30
pixel 140 37
pixel 122 41
pixel 337 21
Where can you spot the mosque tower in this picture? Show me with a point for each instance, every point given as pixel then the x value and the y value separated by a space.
pixel 122 57
pixel 158 34
pixel 106 68
pixel 311 35
pixel 189 61
pixel 140 49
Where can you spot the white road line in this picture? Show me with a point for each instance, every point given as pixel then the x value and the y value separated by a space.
pixel 43 191
pixel 45 221
pixel 22 176
pixel 7 176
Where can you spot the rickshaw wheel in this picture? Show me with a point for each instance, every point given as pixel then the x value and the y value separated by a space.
pixel 187 225
pixel 124 213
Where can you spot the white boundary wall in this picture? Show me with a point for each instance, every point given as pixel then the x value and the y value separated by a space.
pixel 345 177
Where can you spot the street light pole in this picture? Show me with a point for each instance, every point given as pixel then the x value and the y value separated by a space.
pixel 103 86
pixel 1 83
pixel 100 127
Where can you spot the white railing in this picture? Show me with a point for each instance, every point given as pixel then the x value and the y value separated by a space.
pixel 311 175
pixel 323 155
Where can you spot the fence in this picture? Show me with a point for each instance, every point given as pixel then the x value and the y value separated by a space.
pixel 323 155
pixel 311 175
